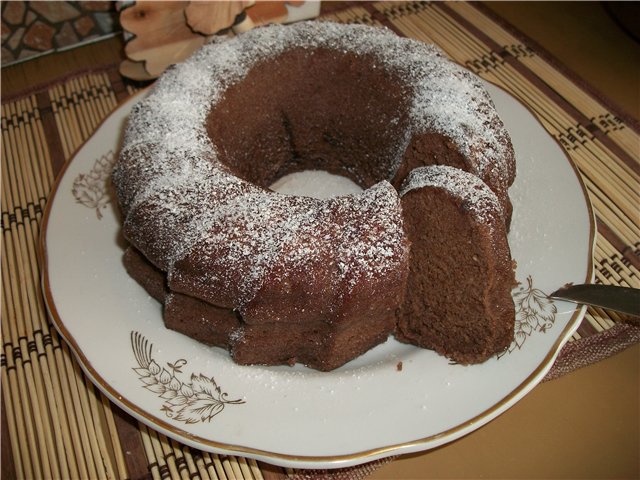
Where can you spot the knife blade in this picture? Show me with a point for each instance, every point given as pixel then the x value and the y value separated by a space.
pixel 612 297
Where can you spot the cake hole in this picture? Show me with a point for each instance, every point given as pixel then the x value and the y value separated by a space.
pixel 337 111
pixel 316 184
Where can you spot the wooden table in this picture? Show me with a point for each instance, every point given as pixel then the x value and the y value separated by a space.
pixel 585 424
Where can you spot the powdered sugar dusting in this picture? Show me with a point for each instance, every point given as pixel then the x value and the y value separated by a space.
pixel 263 234
pixel 445 97
pixel 201 210
pixel 478 199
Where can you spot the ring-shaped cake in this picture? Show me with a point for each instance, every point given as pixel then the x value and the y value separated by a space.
pixel 277 278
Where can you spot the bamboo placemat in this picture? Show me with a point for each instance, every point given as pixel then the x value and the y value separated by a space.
pixel 58 425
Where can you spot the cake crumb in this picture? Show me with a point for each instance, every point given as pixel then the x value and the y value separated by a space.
pixel 399 366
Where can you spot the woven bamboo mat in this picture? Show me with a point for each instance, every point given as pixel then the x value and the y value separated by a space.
pixel 60 426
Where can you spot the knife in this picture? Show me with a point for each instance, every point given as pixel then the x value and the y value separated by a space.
pixel 620 299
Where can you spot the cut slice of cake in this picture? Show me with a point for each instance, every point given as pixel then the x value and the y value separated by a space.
pixel 458 300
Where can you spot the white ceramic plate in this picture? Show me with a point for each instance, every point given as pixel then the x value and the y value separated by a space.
pixel 293 416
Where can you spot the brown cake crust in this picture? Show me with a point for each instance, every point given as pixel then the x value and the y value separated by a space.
pixel 282 278
pixel 200 320
pixel 151 278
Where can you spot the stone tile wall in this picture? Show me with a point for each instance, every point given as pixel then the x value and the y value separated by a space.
pixel 32 28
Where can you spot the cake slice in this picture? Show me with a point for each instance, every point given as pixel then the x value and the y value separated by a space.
pixel 458 300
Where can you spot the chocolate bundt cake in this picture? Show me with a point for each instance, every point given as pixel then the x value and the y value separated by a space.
pixel 458 301
pixel 283 278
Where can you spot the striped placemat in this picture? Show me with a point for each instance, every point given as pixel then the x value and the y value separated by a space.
pixel 56 424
